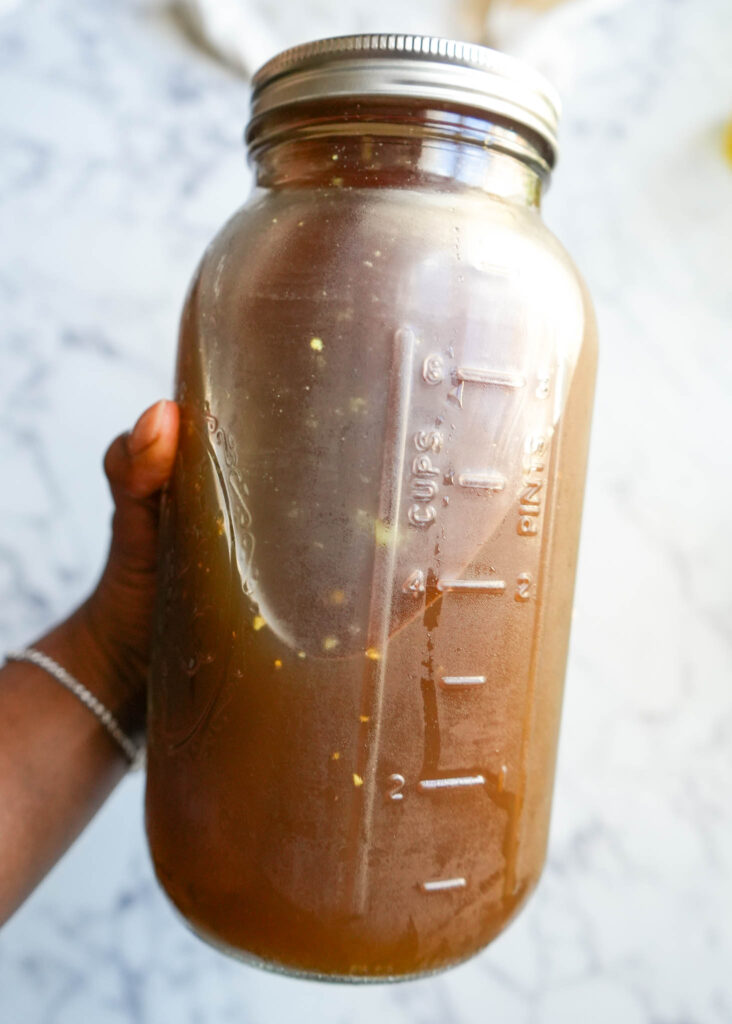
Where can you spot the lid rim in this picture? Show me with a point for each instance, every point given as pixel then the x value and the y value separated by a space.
pixel 409 65
pixel 441 49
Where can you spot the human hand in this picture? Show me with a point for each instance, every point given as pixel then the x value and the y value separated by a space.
pixel 119 612
pixel 57 762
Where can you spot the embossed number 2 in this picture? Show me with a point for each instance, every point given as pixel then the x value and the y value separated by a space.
pixel 396 785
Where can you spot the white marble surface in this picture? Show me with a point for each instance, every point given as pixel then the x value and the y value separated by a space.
pixel 119 156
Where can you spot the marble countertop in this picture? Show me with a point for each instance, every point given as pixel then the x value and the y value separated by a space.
pixel 120 155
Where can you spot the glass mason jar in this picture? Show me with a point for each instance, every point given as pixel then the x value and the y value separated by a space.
pixel 385 373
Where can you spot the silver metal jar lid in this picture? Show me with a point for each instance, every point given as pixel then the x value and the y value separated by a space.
pixel 410 67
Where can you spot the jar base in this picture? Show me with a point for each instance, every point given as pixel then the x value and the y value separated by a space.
pixel 287 970
pixel 302 974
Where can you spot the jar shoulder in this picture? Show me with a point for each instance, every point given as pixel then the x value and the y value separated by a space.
pixel 417 247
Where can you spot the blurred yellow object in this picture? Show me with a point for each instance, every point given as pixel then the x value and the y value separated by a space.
pixel 727 141
pixel 477 10
pixel 536 5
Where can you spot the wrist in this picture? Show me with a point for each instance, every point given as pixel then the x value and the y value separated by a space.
pixel 83 646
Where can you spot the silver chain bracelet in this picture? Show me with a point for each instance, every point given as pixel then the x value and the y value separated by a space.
pixel 135 754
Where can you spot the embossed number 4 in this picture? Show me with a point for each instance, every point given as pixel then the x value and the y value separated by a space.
pixel 414 584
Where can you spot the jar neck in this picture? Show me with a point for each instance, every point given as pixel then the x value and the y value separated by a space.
pixel 392 146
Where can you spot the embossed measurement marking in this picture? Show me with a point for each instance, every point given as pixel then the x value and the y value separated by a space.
pixel 463 680
pixel 488 481
pixel 455 782
pixel 414 583
pixel 471 375
pixel 441 884
pixel 499 378
pixel 472 586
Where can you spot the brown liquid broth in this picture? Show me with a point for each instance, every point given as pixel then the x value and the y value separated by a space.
pixel 280 731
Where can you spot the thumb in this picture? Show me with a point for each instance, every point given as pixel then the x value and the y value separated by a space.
pixel 138 464
pixel 119 612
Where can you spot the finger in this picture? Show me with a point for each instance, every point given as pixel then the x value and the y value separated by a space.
pixel 139 463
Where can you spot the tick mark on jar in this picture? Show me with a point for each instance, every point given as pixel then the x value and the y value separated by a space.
pixel 443 884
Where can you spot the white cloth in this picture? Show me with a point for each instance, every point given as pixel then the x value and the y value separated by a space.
pixel 245 33
pixel 546 39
